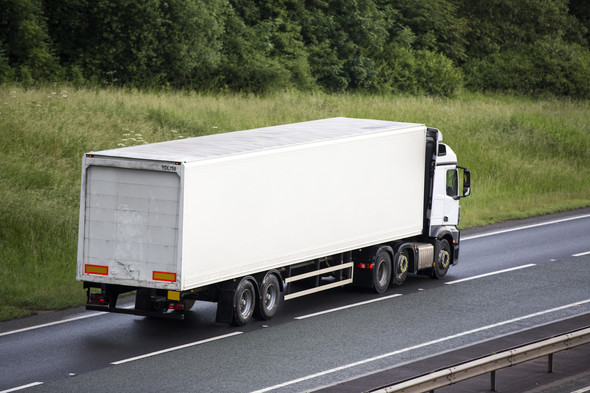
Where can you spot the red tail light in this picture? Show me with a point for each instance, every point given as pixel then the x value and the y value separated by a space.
pixel 176 306
pixel 98 298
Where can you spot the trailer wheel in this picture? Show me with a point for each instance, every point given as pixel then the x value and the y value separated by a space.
pixel 270 296
pixel 442 259
pixel 382 272
pixel 188 304
pixel 400 267
pixel 244 301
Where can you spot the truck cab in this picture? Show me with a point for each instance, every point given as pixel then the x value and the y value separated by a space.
pixel 449 183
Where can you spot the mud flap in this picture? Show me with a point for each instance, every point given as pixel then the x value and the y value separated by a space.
pixel 225 306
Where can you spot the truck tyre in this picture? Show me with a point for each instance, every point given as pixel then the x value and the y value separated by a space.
pixel 400 267
pixel 244 302
pixel 382 271
pixel 270 296
pixel 188 304
pixel 442 259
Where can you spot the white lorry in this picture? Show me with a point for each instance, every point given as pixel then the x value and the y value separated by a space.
pixel 249 218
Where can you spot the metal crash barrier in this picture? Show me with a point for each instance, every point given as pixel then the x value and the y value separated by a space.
pixel 489 364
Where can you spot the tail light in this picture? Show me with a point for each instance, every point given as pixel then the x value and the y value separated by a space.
pixel 98 298
pixel 176 306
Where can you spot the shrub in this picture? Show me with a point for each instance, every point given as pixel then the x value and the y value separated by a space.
pixel 550 66
pixel 410 71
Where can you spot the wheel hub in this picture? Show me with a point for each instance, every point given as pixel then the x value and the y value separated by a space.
pixel 403 264
pixel 445 259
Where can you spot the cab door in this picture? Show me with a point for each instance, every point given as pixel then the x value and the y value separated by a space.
pixel 445 204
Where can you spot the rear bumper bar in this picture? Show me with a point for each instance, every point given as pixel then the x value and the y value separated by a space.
pixel 132 311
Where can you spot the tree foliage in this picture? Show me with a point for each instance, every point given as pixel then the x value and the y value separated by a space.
pixel 423 46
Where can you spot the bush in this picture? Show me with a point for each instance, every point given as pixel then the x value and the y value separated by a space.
pixel 410 71
pixel 547 66
pixel 436 74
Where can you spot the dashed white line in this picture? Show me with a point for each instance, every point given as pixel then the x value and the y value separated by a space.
pixel 581 254
pixel 524 227
pixel 348 306
pixel 490 274
pixel 176 348
pixel 16 389
pixel 386 355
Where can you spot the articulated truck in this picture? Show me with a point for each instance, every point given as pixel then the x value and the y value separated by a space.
pixel 250 219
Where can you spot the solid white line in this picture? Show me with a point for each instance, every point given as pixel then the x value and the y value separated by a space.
pixel 580 254
pixel 525 227
pixel 22 387
pixel 51 324
pixel 386 355
pixel 490 274
pixel 349 306
pixel 175 348
pixel 96 314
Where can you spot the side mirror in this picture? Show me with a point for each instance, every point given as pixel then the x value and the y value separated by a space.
pixel 466 182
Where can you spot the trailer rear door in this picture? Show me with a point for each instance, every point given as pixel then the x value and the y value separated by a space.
pixel 131 223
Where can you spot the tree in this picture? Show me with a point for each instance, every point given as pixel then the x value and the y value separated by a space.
pixel 24 42
pixel 436 26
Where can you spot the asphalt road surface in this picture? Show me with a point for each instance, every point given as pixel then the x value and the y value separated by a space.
pixel 510 278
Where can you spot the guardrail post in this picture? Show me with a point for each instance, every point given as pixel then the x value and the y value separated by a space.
pixel 550 363
pixel 493 381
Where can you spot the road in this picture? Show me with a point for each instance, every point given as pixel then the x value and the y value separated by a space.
pixel 511 277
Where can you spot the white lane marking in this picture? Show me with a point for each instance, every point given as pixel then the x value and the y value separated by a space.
pixel 348 306
pixel 176 348
pixel 16 389
pixel 582 253
pixel 386 355
pixel 583 390
pixel 51 324
pixel 96 314
pixel 490 274
pixel 525 227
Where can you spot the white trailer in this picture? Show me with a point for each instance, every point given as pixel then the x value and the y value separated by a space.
pixel 247 218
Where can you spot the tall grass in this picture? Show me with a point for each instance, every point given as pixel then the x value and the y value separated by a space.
pixel 527 157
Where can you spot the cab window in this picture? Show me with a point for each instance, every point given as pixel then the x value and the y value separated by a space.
pixel 452 183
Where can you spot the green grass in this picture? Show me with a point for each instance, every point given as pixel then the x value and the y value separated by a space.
pixel 527 157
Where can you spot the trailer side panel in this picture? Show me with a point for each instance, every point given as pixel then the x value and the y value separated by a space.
pixel 254 212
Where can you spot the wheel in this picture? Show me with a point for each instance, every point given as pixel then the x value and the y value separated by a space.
pixel 442 259
pixel 400 268
pixel 188 304
pixel 382 272
pixel 270 296
pixel 244 301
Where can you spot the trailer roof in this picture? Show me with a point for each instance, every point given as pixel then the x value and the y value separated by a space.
pixel 232 143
